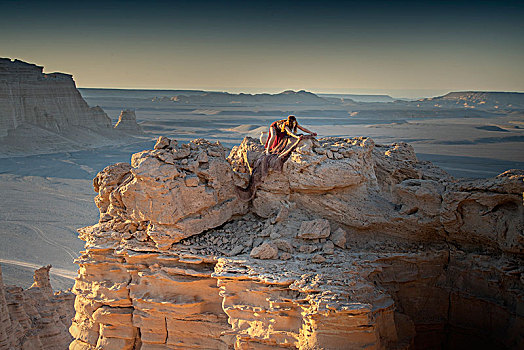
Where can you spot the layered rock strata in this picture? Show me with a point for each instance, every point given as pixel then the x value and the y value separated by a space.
pixel 352 245
pixel 47 100
pixel 35 318
pixel 44 112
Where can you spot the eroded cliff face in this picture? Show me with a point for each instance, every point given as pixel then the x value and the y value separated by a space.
pixel 35 318
pixel 43 112
pixel 51 101
pixel 352 245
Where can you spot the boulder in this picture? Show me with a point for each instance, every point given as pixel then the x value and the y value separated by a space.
pixel 162 142
pixel 314 229
pixel 339 238
pixel 264 251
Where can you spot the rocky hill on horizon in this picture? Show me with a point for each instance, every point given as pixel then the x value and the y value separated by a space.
pixel 359 97
pixel 452 104
pixel 217 98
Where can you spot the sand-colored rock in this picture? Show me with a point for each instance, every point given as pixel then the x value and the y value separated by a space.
pixel 42 281
pixel 318 258
pixel 172 198
pixel 264 251
pixel 7 337
pixel 314 229
pixel 127 122
pixel 35 318
pixel 384 189
pixel 162 142
pixel 339 238
pixel 432 261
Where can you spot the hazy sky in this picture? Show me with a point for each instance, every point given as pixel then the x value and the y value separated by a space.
pixel 390 46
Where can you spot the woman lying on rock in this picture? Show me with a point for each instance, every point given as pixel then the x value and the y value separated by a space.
pixel 280 131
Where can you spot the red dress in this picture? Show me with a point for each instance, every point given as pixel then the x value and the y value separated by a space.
pixel 280 133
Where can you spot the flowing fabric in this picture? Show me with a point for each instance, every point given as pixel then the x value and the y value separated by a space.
pixel 277 128
pixel 274 161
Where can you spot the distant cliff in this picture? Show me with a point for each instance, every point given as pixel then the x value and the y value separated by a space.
pixel 45 111
pixel 50 101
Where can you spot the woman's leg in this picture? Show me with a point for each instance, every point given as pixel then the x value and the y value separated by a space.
pixel 271 139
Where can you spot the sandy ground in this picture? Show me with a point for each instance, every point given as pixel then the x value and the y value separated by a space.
pixel 46 197
pixel 39 218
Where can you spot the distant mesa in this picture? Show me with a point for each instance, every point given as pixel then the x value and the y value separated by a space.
pixel 50 101
pixel 359 98
pixel 44 112
pixel 127 122
pixel 479 99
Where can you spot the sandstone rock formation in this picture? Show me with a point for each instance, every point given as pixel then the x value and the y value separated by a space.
pixel 172 192
pixel 352 245
pixel 127 122
pixel 41 112
pixel 34 318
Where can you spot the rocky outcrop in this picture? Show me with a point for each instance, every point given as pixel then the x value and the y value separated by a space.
pixel 127 122
pixel 172 192
pixel 376 189
pixel 35 318
pixel 351 245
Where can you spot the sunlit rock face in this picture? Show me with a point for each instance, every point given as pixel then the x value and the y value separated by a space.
pixel 50 101
pixel 127 122
pixel 35 318
pixel 351 245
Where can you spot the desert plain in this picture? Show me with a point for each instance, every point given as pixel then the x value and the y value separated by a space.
pixel 47 192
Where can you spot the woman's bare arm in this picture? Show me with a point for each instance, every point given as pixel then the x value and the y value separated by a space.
pixel 306 130
pixel 291 133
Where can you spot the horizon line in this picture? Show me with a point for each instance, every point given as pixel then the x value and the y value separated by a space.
pixel 264 90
